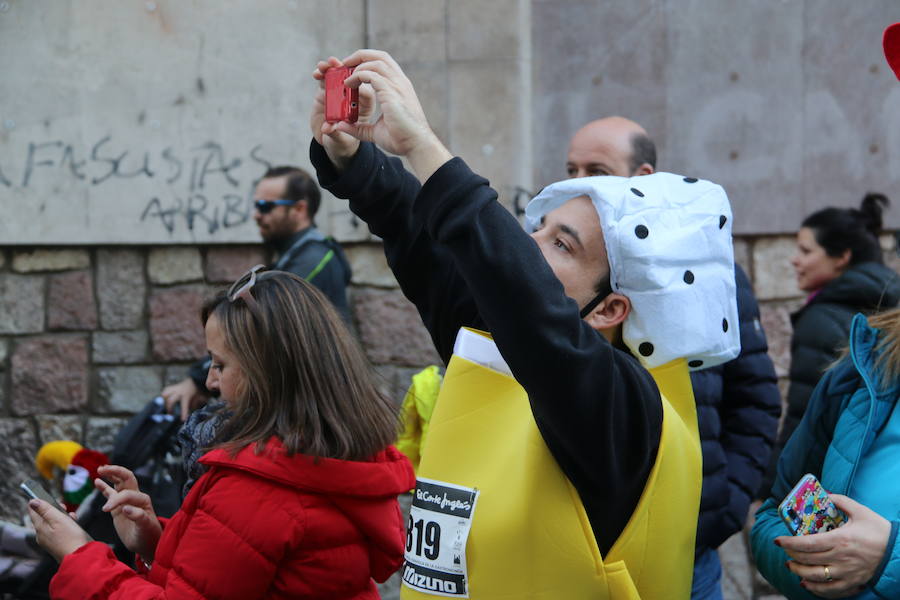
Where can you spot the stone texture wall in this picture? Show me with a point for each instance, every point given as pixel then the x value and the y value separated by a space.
pixel 89 335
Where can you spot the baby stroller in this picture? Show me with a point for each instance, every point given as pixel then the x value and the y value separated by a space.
pixel 146 445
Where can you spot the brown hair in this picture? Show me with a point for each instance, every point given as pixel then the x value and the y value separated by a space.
pixel 307 380
pixel 888 345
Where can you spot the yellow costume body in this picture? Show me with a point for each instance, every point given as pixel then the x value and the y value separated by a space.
pixel 530 536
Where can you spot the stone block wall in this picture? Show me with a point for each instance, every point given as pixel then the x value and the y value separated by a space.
pixel 89 335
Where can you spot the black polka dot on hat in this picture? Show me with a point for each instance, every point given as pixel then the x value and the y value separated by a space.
pixel 690 180
pixel 688 277
pixel 646 349
pixel 724 324
pixel 694 364
pixel 637 192
pixel 641 231
pixel 722 220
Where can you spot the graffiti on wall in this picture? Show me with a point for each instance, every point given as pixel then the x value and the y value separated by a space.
pixel 203 186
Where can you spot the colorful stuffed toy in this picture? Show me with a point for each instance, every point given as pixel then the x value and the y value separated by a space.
pixel 79 465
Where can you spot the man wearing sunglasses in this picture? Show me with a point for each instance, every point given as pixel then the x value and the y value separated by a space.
pixel 286 201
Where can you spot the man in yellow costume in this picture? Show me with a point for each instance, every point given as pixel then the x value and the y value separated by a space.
pixel 562 459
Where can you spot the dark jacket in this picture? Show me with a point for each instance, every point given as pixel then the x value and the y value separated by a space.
pixel 821 328
pixel 738 405
pixel 319 260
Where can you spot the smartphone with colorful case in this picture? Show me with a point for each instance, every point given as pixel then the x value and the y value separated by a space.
pixel 808 509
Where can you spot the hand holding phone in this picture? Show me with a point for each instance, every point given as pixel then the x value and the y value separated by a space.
pixel 807 508
pixel 341 102
pixel 33 489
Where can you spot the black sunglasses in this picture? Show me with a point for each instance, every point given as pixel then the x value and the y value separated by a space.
pixel 266 206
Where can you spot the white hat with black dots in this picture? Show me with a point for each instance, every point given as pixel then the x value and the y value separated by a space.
pixel 668 239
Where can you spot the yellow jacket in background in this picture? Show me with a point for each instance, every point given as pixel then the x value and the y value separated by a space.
pixel 418 404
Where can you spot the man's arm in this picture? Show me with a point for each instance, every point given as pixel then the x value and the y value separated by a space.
pixel 381 193
pixel 598 410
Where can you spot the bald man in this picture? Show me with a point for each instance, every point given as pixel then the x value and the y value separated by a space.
pixel 738 403
pixel 611 146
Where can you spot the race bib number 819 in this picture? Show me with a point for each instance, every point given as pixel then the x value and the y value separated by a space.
pixel 436 534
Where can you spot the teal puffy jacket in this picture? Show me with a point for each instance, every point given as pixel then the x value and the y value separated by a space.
pixel 851 403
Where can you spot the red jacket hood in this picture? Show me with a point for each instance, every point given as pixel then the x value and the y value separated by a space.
pixel 364 491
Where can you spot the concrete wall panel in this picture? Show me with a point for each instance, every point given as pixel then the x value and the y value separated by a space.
pixel 148 122
pixel 593 59
pixel 789 105
pixel 851 121
pixel 735 93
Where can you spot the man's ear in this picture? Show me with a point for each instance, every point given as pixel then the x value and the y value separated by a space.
pixel 609 313
pixel 644 169
pixel 300 211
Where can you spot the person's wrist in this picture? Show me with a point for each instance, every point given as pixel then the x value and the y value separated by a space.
pixel 340 153
pixel 153 535
pixel 427 155
pixel 73 546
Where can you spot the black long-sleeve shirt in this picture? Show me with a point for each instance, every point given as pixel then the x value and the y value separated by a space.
pixel 463 260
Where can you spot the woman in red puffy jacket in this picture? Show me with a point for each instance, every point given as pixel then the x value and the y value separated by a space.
pixel 299 496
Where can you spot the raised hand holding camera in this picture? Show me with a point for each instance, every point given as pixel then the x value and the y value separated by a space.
pixel 402 127
pixel 341 147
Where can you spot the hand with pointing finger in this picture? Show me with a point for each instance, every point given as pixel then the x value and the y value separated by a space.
pixel 132 511
pixel 839 563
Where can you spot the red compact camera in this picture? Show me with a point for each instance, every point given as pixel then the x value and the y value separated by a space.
pixel 341 103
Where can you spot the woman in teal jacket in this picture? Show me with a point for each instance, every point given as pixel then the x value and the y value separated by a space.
pixel 850 439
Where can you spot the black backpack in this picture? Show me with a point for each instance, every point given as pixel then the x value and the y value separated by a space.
pixel 147 445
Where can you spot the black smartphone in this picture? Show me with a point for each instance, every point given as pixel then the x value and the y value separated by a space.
pixel 33 489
